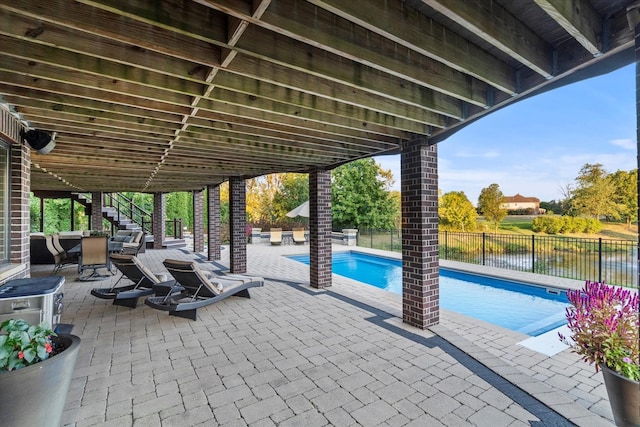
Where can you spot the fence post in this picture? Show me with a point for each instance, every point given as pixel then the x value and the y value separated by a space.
pixel 600 259
pixel 483 248
pixel 446 245
pixel 533 253
pixel 391 234
pixel 371 237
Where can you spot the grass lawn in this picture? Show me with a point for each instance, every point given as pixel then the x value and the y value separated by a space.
pixel 520 224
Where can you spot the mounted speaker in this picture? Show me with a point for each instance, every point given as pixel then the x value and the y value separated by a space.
pixel 40 141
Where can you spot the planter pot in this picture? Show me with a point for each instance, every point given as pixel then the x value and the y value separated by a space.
pixel 624 397
pixel 36 395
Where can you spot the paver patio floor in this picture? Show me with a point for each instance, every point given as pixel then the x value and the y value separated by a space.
pixel 296 356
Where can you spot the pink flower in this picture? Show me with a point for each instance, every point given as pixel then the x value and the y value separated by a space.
pixel 47 347
pixel 20 355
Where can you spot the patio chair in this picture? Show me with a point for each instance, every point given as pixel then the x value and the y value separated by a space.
pixel 275 236
pixel 94 254
pixel 72 257
pixel 198 290
pixel 142 282
pixel 298 236
pixel 60 257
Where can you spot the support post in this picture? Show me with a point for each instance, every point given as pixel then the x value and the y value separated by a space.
pixel 213 236
pixel 198 221
pixel 96 211
pixel 159 226
pixel 420 281
pixel 320 228
pixel 20 185
pixel 238 222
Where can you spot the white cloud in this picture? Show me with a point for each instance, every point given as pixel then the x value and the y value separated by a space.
pixel 625 143
pixel 491 154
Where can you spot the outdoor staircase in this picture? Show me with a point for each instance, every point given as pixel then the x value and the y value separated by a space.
pixel 121 219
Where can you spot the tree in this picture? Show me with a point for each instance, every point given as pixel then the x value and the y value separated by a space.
pixel 456 212
pixel 360 196
pixel 260 193
pixel 490 204
pixel 293 191
pixel 626 194
pixel 594 193
pixel 179 205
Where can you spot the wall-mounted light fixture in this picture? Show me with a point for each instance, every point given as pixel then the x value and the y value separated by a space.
pixel 39 140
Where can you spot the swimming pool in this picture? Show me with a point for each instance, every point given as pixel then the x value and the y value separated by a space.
pixel 528 309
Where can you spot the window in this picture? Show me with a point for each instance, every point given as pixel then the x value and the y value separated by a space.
pixel 5 225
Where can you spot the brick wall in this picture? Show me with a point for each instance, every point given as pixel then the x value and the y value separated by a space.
pixel 20 182
pixel 198 221
pixel 213 200
pixel 237 223
pixel 320 228
pixel 96 211
pixel 419 185
pixel 159 210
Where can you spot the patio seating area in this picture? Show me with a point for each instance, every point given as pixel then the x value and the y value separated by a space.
pixel 292 355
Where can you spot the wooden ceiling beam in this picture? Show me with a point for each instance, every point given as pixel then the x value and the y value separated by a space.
pixel 271 68
pixel 60 87
pixel 492 23
pixel 151 36
pixel 89 124
pixel 283 52
pixel 424 35
pixel 579 19
pixel 300 20
pixel 299 104
pixel 27 96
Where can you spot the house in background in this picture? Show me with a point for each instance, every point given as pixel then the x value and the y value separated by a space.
pixel 520 205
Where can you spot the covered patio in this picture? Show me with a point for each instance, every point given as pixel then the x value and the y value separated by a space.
pixel 182 96
pixel 106 96
pixel 293 355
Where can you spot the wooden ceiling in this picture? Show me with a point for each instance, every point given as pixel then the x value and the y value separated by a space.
pixel 174 95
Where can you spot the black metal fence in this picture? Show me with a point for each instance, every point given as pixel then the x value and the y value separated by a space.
pixel 615 261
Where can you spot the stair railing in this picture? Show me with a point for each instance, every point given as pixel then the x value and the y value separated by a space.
pixel 126 207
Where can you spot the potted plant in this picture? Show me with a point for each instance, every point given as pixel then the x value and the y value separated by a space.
pixel 604 323
pixel 36 366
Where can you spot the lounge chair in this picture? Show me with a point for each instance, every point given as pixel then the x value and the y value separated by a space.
pixel 298 236
pixel 198 290
pixel 275 236
pixel 142 282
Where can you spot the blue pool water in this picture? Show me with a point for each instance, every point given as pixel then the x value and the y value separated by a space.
pixel 517 306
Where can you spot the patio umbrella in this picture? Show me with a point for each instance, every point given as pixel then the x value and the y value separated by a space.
pixel 302 210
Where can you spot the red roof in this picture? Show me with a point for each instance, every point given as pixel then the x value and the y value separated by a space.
pixel 519 199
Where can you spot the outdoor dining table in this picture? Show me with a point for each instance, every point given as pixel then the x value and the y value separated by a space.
pixel 112 247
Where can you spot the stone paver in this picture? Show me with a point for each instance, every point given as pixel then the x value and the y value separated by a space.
pixel 292 355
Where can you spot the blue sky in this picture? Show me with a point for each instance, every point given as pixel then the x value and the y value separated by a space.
pixel 537 146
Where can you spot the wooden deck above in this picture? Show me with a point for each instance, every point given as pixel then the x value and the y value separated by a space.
pixel 175 95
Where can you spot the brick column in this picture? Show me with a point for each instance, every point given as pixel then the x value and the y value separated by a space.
pixel 320 228
pixel 20 182
pixel 198 221
pixel 213 202
pixel 159 211
pixel 96 211
pixel 238 223
pixel 419 185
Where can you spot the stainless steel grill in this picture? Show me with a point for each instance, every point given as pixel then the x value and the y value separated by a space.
pixel 33 299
